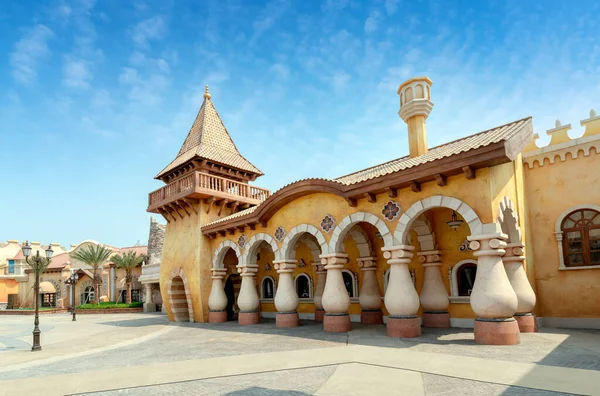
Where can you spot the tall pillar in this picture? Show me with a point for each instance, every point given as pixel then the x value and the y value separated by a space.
pixel 217 300
pixel 369 296
pixel 493 299
pixel 248 297
pixel 434 297
pixel 336 300
pixel 149 306
pixel 113 283
pixel 318 297
pixel 513 264
pixel 401 298
pixel 286 298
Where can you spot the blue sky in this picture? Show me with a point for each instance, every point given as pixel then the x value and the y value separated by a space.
pixel 97 97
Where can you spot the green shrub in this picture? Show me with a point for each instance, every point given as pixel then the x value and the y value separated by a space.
pixel 110 305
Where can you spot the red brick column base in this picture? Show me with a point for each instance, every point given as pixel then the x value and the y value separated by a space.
pixel 371 317
pixel 217 316
pixel 336 323
pixel 527 323
pixel 319 314
pixel 286 319
pixel 497 332
pixel 403 326
pixel 436 319
pixel 248 318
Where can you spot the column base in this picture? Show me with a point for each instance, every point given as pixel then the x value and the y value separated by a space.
pixel 149 307
pixel 368 316
pixel 248 317
pixel 286 319
pixel 497 331
pixel 336 323
pixel 319 314
pixel 217 316
pixel 437 319
pixel 407 326
pixel 527 323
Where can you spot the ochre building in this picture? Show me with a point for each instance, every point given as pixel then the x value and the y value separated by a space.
pixel 488 231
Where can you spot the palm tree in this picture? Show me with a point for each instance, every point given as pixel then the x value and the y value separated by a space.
pixel 128 261
pixel 94 256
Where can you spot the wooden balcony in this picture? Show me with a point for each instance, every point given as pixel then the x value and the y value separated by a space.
pixel 198 185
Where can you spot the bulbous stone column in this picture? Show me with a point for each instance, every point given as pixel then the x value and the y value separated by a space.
pixel 513 264
pixel 286 298
pixel 369 296
pixel 493 299
pixel 248 297
pixel 335 296
pixel 317 298
pixel 217 300
pixel 401 298
pixel 434 297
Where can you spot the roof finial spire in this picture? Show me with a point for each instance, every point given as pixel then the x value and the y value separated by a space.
pixel 206 93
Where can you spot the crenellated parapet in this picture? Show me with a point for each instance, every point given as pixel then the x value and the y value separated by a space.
pixel 561 144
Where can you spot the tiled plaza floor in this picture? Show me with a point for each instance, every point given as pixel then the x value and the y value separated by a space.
pixel 299 361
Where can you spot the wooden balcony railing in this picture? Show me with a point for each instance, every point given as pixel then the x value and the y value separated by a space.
pixel 199 185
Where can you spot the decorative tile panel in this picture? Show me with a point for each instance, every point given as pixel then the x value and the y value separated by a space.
pixel 242 241
pixel 279 234
pixel 328 223
pixel 390 210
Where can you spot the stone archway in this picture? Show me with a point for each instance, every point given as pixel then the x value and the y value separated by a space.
pixel 339 233
pixel 254 245
pixel 363 244
pixel 222 251
pixel 297 233
pixel 180 298
pixel 406 222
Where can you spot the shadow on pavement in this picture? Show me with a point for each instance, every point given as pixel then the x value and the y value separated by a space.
pixel 255 390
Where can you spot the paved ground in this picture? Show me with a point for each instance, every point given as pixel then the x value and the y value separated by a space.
pixel 140 354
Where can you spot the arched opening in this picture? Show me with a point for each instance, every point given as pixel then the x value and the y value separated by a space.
pixel 581 238
pixel 179 303
pixel 465 279
pixel 233 282
pixel 267 289
pixel 350 283
pixel 87 296
pixel 303 286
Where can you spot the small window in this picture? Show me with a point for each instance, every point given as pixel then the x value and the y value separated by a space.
pixel 48 300
pixel 581 238
pixel 303 286
pixel 466 278
pixel 11 267
pixel 135 295
pixel 87 296
pixel 268 288
pixel 350 283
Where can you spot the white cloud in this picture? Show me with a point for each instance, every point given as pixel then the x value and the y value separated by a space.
pixel 149 29
pixel 268 17
pixel 29 52
pixel 129 76
pixel 281 70
pixel 371 24
pixel 391 6
pixel 76 73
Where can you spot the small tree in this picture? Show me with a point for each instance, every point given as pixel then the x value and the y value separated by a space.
pixel 94 256
pixel 128 261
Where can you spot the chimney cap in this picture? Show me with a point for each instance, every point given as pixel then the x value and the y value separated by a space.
pixel 424 79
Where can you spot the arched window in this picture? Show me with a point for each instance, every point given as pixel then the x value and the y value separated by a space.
pixel 350 283
pixel 267 289
pixel 465 278
pixel 581 238
pixel 87 295
pixel 462 280
pixel 303 286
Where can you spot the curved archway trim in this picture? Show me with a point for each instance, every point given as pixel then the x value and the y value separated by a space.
pixel 336 244
pixel 289 243
pixel 253 245
pixel 179 272
pixel 222 250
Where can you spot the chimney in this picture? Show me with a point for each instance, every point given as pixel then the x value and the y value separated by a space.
pixel 415 106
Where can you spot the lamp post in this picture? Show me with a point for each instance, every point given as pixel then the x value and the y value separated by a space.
pixel 38 264
pixel 72 281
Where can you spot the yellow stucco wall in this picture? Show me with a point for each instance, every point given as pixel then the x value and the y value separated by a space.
pixel 551 190
pixel 8 286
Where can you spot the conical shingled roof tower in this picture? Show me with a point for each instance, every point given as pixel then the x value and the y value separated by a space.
pixel 209 140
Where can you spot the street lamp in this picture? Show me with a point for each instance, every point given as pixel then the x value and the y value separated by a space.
pixel 73 281
pixel 38 264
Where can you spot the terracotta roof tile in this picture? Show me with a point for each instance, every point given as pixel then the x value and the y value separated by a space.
pixel 233 216
pixel 490 136
pixel 208 139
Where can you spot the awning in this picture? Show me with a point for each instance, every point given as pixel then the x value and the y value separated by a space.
pixel 47 288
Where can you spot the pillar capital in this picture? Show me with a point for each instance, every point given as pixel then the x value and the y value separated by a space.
pixel 283 266
pixel 514 252
pixel 334 260
pixel 247 270
pixel 218 273
pixel 319 267
pixel 491 242
pixel 430 257
pixel 398 254
pixel 367 263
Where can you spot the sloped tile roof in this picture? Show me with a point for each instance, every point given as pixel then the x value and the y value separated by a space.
pixel 233 216
pixel 208 139
pixel 481 139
